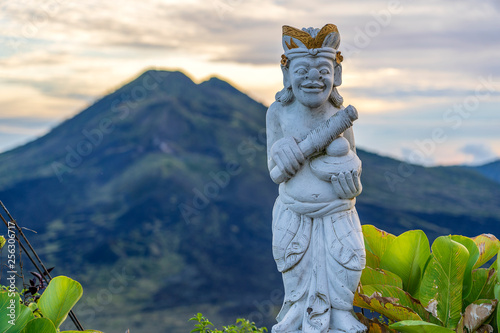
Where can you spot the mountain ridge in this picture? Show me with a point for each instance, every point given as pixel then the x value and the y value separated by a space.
pixel 489 170
pixel 169 177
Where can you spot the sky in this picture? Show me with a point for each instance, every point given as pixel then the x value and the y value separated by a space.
pixel 423 75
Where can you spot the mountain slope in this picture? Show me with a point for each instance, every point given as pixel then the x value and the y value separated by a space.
pixel 108 188
pixel 165 181
pixel 490 170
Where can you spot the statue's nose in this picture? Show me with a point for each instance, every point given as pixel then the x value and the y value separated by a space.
pixel 313 74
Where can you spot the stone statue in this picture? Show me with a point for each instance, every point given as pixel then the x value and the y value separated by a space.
pixel 317 239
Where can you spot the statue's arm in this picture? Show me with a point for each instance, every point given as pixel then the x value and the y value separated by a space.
pixel 273 133
pixel 282 152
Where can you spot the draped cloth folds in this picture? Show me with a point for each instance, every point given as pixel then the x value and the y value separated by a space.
pixel 319 249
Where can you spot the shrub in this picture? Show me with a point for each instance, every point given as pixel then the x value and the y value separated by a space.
pixel 418 288
pixel 242 326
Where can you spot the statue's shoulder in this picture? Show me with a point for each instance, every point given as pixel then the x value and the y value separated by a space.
pixel 274 111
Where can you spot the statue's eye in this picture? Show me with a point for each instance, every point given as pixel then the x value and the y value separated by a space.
pixel 301 71
pixel 324 71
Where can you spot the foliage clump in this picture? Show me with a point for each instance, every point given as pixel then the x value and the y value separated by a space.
pixel 203 325
pixel 418 288
pixel 39 313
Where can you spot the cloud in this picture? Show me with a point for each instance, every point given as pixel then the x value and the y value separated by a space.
pixel 129 23
pixel 421 37
pixel 479 153
pixel 249 31
pixel 404 66
pixel 24 101
pixel 22 130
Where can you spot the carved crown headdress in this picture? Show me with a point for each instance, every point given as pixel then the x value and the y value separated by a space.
pixel 322 42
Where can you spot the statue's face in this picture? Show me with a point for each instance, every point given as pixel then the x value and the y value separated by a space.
pixel 312 80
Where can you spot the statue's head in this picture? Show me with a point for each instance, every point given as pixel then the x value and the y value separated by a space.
pixel 311 66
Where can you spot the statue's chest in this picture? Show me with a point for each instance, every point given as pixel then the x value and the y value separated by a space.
pixel 299 125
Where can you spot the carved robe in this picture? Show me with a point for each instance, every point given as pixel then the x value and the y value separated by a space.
pixel 319 249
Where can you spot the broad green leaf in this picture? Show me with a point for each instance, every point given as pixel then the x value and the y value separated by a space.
pixel 61 295
pixel 376 240
pixel 39 325
pixel 413 326
pixel 483 283
pixel 477 313
pixel 401 297
pixel 488 291
pixel 372 260
pixel 488 246
pixel 386 306
pixel 441 288
pixel 406 256
pixel 473 257
pixel 380 276
pixel 497 267
pixel 21 313
pixel 497 297
pixel 2 241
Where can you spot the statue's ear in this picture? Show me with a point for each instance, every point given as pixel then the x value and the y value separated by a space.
pixel 286 76
pixel 337 75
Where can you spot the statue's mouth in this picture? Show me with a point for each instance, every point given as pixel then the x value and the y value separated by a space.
pixel 313 87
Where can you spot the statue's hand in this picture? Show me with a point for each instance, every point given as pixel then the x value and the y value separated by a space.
pixel 287 155
pixel 347 185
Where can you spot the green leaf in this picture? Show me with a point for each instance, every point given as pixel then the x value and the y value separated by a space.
pixel 372 260
pixel 473 257
pixel 376 241
pixel 2 241
pixel 387 306
pixel 483 283
pixel 441 288
pixel 380 276
pixel 406 256
pixel 22 314
pixel 400 297
pixel 488 290
pixel 419 327
pixel 488 246
pixel 39 325
pixel 477 313
pixel 497 297
pixel 58 299
pixel 497 267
